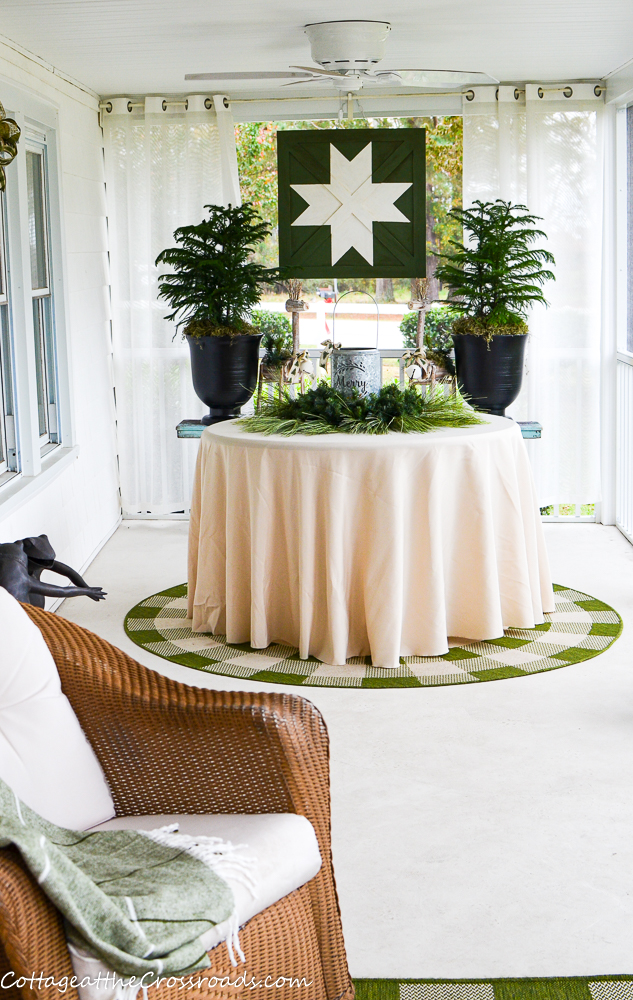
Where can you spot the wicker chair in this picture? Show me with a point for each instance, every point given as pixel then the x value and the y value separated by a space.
pixel 170 748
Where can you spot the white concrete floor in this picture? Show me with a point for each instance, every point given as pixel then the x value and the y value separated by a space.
pixel 477 830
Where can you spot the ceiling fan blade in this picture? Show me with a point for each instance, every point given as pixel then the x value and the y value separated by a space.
pixel 294 83
pixel 244 76
pixel 320 72
pixel 436 77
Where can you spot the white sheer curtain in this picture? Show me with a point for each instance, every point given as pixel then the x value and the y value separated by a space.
pixel 537 147
pixel 164 163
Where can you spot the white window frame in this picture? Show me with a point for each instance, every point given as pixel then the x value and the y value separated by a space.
pixel 35 142
pixel 618 446
pixel 36 457
pixel 8 455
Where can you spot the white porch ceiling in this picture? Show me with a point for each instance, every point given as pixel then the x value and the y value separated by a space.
pixel 147 46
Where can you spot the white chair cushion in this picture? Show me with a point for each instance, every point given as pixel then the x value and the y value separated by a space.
pixel 44 756
pixel 284 846
pixel 287 856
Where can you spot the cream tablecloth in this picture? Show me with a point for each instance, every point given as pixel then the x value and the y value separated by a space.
pixel 342 545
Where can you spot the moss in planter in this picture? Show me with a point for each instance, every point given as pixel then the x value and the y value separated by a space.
pixel 207 328
pixel 478 327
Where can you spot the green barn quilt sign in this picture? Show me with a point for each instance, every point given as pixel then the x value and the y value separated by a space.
pixel 352 203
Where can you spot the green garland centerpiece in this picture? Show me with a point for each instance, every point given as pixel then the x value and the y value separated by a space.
pixel 323 410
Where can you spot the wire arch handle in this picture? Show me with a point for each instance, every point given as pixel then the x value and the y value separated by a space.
pixel 352 290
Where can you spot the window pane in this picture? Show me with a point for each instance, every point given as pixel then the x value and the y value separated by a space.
pixel 49 354
pixel 7 425
pixel 37 228
pixel 629 269
pixel 4 344
pixel 40 367
pixel 3 286
pixel 5 357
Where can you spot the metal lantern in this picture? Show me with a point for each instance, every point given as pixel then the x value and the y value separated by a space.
pixel 356 368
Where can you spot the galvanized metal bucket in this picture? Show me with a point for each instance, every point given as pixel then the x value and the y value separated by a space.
pixel 356 368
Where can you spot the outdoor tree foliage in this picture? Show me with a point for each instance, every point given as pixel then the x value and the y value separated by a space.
pixel 444 157
pixel 277 335
pixel 215 280
pixel 438 323
pixel 496 273
pixel 438 340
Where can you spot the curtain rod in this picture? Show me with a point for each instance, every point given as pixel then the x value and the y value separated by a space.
pixel 107 105
pixel 357 95
pixel 567 91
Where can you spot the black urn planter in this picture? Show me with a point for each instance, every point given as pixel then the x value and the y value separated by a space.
pixel 224 373
pixel 490 374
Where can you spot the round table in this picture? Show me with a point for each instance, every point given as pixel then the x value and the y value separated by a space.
pixel 346 545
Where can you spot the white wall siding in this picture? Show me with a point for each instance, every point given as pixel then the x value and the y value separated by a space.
pixel 624 491
pixel 79 506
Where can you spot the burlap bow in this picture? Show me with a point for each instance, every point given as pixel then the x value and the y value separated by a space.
pixel 418 367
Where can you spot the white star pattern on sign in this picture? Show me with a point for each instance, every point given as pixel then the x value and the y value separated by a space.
pixel 350 204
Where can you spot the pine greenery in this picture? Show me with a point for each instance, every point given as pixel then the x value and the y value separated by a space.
pixel 323 410
pixel 496 273
pixel 214 281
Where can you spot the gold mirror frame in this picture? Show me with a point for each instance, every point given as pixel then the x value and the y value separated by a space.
pixel 9 137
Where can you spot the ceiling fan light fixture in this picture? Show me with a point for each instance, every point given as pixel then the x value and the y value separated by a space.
pixel 345 45
pixel 346 53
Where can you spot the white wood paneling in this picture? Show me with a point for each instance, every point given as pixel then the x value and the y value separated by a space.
pixel 142 46
pixel 624 492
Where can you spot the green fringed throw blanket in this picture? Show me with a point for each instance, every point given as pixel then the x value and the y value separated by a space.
pixel 138 901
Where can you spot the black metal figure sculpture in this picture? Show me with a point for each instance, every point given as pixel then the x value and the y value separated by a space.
pixel 22 563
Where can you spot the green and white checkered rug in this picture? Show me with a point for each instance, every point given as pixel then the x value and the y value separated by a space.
pixel 596 988
pixel 581 627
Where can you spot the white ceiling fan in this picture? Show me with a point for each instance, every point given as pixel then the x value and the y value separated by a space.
pixel 346 53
